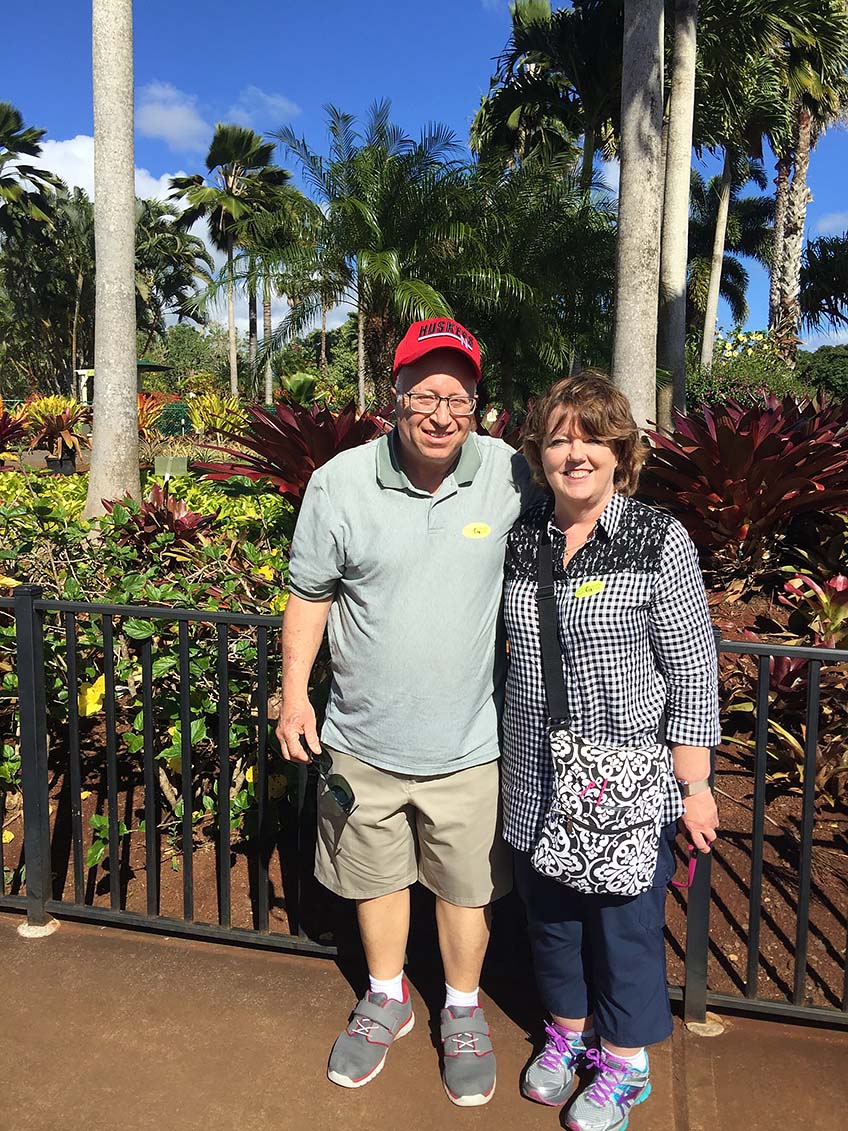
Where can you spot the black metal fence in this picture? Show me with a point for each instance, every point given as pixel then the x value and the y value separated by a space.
pixel 37 892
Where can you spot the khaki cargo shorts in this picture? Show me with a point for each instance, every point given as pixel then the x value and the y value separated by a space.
pixel 444 831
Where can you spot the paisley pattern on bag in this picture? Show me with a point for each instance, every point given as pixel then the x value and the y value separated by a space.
pixel 602 831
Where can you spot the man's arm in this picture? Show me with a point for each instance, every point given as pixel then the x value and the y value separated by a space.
pixel 303 630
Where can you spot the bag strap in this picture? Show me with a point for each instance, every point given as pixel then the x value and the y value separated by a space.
pixel 548 634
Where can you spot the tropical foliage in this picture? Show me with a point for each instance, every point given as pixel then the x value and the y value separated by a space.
pixel 737 475
pixel 285 446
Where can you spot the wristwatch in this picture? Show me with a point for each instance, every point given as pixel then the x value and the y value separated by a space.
pixel 690 788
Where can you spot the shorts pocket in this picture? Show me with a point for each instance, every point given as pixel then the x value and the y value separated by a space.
pixel 651 910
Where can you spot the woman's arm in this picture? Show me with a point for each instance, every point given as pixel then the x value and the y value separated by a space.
pixel 692 764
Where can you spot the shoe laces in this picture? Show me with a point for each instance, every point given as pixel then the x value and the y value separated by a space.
pixel 362 1026
pixel 610 1076
pixel 557 1048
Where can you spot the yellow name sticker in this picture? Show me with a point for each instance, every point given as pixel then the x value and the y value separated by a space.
pixel 589 588
pixel 476 530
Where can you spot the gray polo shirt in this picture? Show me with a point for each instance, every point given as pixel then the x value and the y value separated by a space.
pixel 417 582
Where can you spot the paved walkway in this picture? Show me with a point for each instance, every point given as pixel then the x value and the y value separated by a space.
pixel 102 1028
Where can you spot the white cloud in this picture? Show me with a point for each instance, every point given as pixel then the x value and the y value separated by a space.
pixel 171 115
pixel 259 109
pixel 832 224
pixel 826 338
pixel 73 161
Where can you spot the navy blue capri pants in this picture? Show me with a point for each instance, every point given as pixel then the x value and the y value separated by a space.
pixel 602 954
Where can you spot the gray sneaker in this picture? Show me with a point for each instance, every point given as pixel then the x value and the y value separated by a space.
pixel 360 1051
pixel 605 1105
pixel 469 1061
pixel 549 1078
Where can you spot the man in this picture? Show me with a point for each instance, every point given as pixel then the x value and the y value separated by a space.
pixel 400 545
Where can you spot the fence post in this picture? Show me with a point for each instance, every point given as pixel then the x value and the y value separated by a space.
pixel 698 922
pixel 33 712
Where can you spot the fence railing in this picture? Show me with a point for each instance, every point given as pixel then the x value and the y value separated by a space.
pixel 50 772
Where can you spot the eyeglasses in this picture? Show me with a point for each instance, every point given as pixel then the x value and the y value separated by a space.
pixel 337 786
pixel 429 403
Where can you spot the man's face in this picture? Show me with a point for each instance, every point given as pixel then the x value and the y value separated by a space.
pixel 432 440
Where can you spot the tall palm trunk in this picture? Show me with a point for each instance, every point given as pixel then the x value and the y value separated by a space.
pixel 671 339
pixel 789 307
pixel 266 339
pixel 639 207
pixel 253 339
pixel 114 456
pixel 322 363
pixel 781 197
pixel 587 164
pixel 360 342
pixel 75 328
pixel 711 313
pixel 231 319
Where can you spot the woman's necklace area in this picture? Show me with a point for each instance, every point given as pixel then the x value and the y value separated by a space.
pixel 573 543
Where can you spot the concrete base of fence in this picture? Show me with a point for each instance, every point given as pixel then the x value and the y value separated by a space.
pixel 712 1026
pixel 29 931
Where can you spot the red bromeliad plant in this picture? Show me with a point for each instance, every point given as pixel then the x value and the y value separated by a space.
pixel 286 445
pixel 12 429
pixel 157 515
pixel 736 475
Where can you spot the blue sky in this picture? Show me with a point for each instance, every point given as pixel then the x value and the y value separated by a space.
pixel 274 63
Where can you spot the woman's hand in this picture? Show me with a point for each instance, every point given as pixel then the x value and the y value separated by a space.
pixel 701 819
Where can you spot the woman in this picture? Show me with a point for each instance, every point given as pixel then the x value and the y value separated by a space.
pixel 637 647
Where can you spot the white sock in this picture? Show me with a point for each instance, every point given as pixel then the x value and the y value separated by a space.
pixel 391 987
pixel 459 997
pixel 639 1060
pixel 586 1034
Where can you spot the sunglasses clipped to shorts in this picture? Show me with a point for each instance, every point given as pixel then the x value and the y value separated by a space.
pixel 337 786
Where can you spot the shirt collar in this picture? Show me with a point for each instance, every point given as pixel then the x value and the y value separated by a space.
pixel 391 474
pixel 607 523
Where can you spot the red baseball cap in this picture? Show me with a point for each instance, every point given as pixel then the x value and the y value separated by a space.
pixel 437 334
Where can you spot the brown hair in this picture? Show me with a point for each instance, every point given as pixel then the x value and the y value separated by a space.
pixel 601 410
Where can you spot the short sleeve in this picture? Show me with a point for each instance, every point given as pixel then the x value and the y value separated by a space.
pixel 317 561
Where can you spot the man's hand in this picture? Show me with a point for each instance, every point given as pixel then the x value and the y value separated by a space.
pixel 701 819
pixel 297 721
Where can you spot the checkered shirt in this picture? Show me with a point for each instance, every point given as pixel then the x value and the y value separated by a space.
pixel 636 645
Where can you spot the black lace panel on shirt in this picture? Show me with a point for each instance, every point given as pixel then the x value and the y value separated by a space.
pixel 635 547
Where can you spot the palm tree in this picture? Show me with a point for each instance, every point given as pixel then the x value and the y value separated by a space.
pixel 816 91
pixel 114 456
pixel 17 141
pixel 748 233
pixel 240 182
pixel 170 263
pixel 671 335
pixel 387 207
pixel 536 280
pixel 824 282
pixel 640 200
pixel 559 77
pixel 737 112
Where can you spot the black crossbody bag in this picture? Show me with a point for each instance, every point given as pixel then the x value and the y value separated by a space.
pixel 602 830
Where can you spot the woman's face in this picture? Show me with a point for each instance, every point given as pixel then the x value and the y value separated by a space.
pixel 580 469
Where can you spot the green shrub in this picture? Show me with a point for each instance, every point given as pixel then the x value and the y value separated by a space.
pixel 746 366
pixel 826 368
